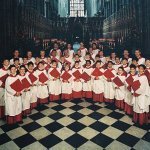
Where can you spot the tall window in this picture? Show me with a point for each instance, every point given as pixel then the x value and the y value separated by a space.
pixel 76 8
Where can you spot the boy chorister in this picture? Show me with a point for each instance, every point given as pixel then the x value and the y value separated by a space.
pixel 119 88
pixel 125 65
pixel 13 103
pixel 32 75
pixel 42 90
pixel 141 97
pixel 3 76
pixel 77 84
pixel 54 84
pixel 109 90
pixel 128 108
pixel 98 83
pixel 66 83
pixel 86 79
pixel 26 94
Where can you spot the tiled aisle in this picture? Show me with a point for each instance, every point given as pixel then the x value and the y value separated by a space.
pixel 75 125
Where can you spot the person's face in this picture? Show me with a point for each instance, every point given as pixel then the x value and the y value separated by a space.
pixel 66 67
pixel 87 57
pixel 54 53
pixel 117 60
pixel 69 46
pixel 76 58
pixel 132 71
pixel 76 65
pixel 141 70
pixel 48 60
pixel 41 66
pixel 55 46
pixel 25 60
pixel 54 64
pixel 79 52
pixel 88 64
pixel 22 71
pixel 124 62
pixel 94 46
pixel 31 67
pixel 42 53
pixel 37 59
pixel 120 71
pixel 81 44
pixel 16 53
pixel 29 54
pixel 147 63
pixel 90 50
pixel 101 53
pixel 110 65
pixel 126 53
pixel 13 70
pixel 62 59
pixel 107 59
pixel 113 55
pixel 98 65
pixel 137 53
pixel 16 62
pixel 6 63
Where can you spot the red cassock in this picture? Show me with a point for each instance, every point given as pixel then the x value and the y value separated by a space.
pixel 97 73
pixel 43 78
pixel 26 84
pixel 108 74
pixel 118 82
pixel 32 77
pixel 85 76
pixel 66 76
pixel 55 73
pixel 17 86
pixel 77 74
pixel 136 85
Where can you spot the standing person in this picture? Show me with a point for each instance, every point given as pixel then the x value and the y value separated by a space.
pixel 4 72
pixel 87 81
pixel 16 54
pixel 58 51
pixel 66 83
pixel 42 57
pixel 70 50
pixel 32 75
pixel 30 57
pixel 26 93
pixel 77 84
pixel 138 55
pixel 126 55
pixel 42 90
pixel 119 81
pixel 128 108
pixel 82 49
pixel 141 97
pixel 13 103
pixel 54 84
pixel 109 90
pixel 125 65
pixel 98 83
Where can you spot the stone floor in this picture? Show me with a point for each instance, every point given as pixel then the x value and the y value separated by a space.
pixel 75 125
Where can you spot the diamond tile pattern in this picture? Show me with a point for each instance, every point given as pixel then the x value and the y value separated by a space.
pixel 75 125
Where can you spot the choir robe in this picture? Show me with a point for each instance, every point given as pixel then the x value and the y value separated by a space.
pixel 13 104
pixel 116 66
pixel 3 75
pixel 109 90
pixel 141 100
pixel 32 59
pixel 33 89
pixel 58 53
pixel 83 51
pixel 43 59
pixel 120 92
pixel 126 68
pixel 42 90
pixel 95 51
pixel 83 63
pixel 54 86
pixel 98 87
pixel 76 86
pixel 66 87
pixel 25 97
pixel 87 85
pixel 103 59
pixel 71 53
pixel 128 107
pixel 141 61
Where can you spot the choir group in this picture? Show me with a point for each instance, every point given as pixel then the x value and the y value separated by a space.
pixel 28 82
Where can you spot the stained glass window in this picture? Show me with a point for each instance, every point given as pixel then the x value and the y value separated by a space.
pixel 76 8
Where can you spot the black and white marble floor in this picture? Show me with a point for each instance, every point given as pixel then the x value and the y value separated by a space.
pixel 75 125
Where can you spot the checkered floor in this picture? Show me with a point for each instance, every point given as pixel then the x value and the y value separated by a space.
pixel 75 125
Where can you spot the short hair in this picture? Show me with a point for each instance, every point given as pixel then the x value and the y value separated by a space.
pixel 132 66
pixel 16 59
pixel 30 63
pixel 88 61
pixel 143 66
pixel 11 66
